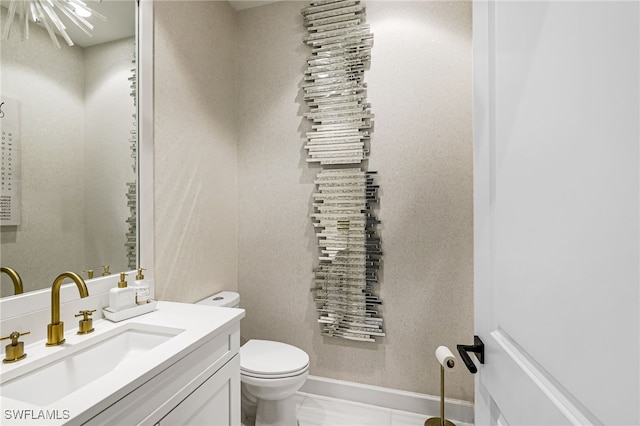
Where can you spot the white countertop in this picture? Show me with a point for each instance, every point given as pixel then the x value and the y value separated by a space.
pixel 200 323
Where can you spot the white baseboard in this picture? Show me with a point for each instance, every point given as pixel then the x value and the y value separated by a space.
pixel 429 405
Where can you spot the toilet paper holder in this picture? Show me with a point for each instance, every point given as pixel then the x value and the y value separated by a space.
pixel 477 348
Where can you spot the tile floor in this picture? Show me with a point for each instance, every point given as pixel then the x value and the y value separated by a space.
pixel 314 410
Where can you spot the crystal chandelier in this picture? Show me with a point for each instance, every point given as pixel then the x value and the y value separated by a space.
pixel 46 12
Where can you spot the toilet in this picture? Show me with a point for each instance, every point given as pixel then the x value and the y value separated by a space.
pixel 270 374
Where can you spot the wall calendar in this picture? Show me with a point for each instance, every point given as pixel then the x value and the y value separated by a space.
pixel 10 169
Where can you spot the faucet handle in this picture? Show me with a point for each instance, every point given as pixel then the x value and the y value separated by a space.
pixel 85 325
pixel 86 314
pixel 89 273
pixel 105 271
pixel 14 336
pixel 15 351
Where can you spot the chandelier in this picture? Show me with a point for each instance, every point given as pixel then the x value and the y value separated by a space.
pixel 48 13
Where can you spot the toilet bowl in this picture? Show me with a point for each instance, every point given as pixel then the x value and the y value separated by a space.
pixel 270 374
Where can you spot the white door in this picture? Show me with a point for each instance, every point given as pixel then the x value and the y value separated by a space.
pixel 556 111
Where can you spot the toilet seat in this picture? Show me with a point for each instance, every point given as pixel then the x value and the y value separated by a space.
pixel 265 359
pixel 274 376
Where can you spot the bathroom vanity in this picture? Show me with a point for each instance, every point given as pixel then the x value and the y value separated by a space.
pixel 176 365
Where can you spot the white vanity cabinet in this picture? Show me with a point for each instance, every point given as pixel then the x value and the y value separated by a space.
pixel 203 387
pixel 176 365
pixel 216 402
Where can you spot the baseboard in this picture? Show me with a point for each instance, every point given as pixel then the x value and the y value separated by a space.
pixel 429 405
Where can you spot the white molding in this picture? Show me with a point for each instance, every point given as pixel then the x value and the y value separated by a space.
pixel 429 405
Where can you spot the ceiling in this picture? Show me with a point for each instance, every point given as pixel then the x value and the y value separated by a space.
pixel 121 23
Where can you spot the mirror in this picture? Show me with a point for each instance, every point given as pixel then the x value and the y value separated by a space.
pixel 73 167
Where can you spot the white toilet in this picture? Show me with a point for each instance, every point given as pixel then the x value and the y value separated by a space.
pixel 270 374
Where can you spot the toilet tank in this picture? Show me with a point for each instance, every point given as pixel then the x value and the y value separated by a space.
pixel 225 299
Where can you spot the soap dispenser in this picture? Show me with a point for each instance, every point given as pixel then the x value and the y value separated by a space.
pixel 141 287
pixel 122 297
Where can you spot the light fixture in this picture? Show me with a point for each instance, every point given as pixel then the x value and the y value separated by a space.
pixel 45 12
pixel 82 11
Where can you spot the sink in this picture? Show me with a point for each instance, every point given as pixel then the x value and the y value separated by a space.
pixel 76 366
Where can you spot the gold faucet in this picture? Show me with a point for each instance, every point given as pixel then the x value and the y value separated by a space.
pixel 15 277
pixel 55 330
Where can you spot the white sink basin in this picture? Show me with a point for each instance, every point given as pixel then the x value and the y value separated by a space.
pixel 76 366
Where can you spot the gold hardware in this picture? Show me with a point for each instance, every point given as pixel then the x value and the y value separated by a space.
pixel 15 277
pixel 105 271
pixel 15 351
pixel 140 276
pixel 55 330
pixel 89 273
pixel 441 421
pixel 86 324
pixel 123 280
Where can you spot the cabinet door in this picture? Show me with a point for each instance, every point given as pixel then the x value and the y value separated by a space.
pixel 215 402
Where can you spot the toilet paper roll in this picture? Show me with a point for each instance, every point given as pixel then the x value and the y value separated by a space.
pixel 446 358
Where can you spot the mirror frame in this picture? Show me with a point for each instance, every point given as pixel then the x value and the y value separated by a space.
pixel 145 224
pixel 39 301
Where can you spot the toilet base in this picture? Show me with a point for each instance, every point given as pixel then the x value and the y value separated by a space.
pixel 249 406
pixel 272 402
pixel 277 413
pixel 274 413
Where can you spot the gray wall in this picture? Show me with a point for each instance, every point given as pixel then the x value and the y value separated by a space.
pixel 420 90
pixel 195 149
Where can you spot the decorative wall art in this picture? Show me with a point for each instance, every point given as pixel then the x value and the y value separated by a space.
pixel 11 170
pixel 344 219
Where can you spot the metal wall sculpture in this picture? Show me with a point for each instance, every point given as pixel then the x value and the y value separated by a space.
pixel 344 219
pixel 131 244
